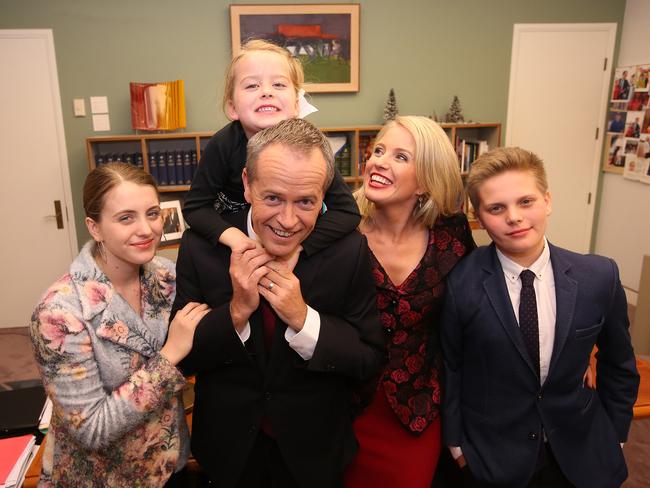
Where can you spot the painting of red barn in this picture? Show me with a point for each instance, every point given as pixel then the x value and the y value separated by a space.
pixel 324 37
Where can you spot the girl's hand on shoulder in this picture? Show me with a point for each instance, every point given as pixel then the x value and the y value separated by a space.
pixel 237 241
pixel 181 331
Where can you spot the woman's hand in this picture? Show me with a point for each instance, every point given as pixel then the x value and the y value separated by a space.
pixel 181 332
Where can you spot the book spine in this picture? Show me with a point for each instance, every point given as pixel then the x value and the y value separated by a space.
pixel 162 168
pixel 137 157
pixel 180 176
pixel 195 163
pixel 153 167
pixel 187 168
pixel 171 168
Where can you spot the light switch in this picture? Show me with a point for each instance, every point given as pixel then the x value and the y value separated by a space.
pixel 79 107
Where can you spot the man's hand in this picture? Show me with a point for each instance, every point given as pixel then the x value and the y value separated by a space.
pixel 282 290
pixel 246 270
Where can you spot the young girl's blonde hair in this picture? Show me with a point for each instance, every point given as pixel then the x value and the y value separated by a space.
pixel 296 73
pixel 436 170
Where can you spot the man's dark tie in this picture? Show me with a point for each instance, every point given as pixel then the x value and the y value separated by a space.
pixel 269 320
pixel 528 316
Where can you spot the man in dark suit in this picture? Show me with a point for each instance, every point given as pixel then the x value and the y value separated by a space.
pixel 288 336
pixel 520 322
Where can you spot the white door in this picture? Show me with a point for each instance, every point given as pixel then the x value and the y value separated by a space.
pixel 559 84
pixel 34 165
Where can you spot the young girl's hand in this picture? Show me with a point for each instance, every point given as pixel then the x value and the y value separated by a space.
pixel 236 240
pixel 181 331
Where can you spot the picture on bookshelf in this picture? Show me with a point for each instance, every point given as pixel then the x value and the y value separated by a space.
pixel 325 38
pixel 173 224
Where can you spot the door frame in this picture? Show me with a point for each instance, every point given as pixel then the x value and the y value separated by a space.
pixel 594 177
pixel 45 35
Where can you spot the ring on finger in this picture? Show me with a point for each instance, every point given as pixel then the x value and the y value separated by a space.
pixel 271 285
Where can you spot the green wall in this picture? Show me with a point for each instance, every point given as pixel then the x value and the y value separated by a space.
pixel 427 50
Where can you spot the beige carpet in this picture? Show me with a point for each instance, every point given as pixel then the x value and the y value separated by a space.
pixel 16 358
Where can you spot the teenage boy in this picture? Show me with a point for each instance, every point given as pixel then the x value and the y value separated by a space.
pixel 520 322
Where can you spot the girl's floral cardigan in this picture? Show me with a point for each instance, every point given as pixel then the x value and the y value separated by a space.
pixel 118 415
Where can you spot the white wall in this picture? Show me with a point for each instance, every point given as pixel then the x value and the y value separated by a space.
pixel 624 218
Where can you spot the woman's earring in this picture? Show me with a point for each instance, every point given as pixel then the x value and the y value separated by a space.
pixel 420 202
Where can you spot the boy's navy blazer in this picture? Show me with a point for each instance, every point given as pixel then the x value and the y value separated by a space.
pixel 240 386
pixel 494 407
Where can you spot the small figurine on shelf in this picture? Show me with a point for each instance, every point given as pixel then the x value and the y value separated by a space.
pixel 390 111
pixel 434 116
pixel 455 113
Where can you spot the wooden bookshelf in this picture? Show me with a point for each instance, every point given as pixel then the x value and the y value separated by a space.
pixel 356 145
pixel 147 145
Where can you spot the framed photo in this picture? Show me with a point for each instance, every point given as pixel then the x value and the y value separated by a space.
pixel 325 37
pixel 173 224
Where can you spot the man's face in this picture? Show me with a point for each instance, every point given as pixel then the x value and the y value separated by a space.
pixel 286 197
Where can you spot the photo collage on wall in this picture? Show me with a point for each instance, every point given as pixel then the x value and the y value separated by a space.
pixel 627 149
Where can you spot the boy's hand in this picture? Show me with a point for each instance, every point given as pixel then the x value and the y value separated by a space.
pixel 237 241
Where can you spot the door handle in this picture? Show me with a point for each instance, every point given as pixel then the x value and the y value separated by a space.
pixel 58 214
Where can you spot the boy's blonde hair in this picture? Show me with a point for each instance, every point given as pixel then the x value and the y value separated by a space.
pixel 296 73
pixel 500 160
pixel 436 170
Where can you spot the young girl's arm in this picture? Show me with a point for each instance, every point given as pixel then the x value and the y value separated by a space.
pixel 218 173
pixel 341 218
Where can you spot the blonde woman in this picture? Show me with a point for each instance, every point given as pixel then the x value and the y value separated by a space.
pixel 410 207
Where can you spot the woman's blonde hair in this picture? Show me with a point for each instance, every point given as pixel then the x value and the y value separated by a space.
pixel 296 73
pixel 436 171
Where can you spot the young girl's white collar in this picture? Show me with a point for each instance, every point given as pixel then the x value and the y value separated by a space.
pixel 304 107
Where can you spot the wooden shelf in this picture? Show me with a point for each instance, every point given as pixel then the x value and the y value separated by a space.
pixel 349 159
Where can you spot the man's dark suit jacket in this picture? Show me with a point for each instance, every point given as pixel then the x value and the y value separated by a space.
pixel 494 407
pixel 308 403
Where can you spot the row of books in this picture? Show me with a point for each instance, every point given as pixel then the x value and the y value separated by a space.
pixel 468 150
pixel 130 158
pixel 167 167
pixel 173 167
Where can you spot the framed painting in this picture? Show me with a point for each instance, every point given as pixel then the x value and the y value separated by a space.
pixel 325 37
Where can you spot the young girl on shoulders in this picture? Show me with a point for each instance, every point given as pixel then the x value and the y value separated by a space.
pixel 262 87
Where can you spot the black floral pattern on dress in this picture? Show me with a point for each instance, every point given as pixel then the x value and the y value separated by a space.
pixel 409 314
